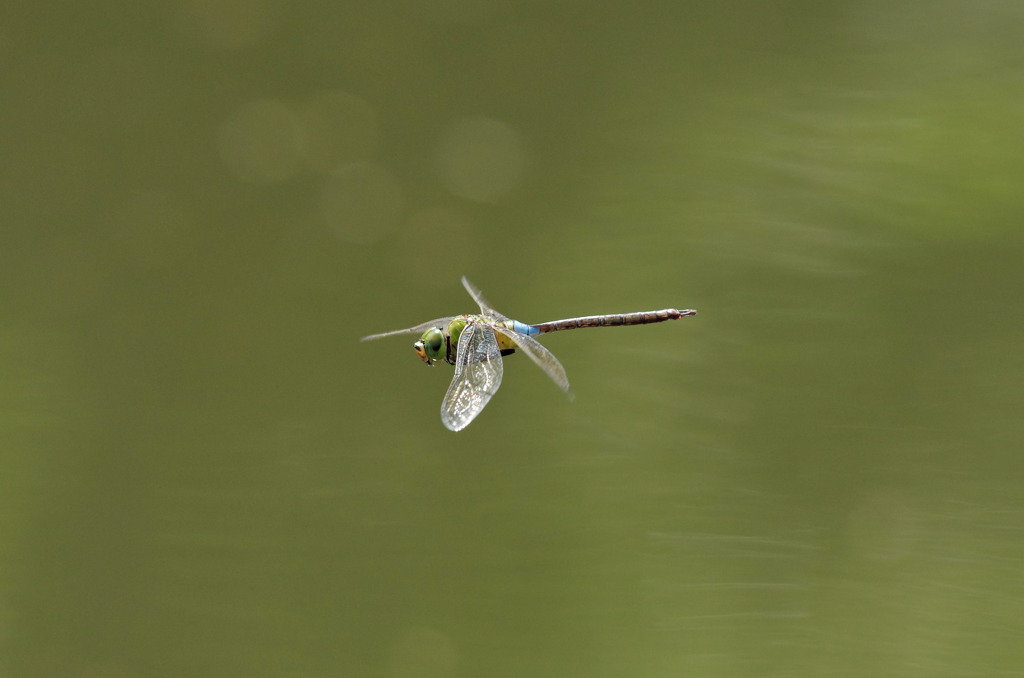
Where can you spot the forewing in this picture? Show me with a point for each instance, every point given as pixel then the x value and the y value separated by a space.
pixel 477 377
pixel 540 355
pixel 419 329
pixel 478 297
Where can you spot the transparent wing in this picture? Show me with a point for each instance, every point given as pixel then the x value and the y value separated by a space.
pixel 419 329
pixel 478 297
pixel 540 355
pixel 477 377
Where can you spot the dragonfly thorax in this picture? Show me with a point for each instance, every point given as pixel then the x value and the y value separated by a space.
pixel 431 346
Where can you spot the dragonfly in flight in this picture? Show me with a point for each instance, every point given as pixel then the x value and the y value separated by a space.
pixel 475 344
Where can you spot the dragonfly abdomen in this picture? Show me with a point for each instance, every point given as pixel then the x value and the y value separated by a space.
pixel 614 320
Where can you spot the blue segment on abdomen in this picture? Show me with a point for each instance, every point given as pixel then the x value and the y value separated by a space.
pixel 523 328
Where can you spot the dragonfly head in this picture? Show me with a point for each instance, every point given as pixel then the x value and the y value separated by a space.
pixel 430 345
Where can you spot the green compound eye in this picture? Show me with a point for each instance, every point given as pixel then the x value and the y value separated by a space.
pixel 428 348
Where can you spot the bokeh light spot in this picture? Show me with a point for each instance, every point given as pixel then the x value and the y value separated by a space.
pixel 338 128
pixel 422 653
pixel 883 526
pixel 480 159
pixel 361 202
pixel 229 24
pixel 260 143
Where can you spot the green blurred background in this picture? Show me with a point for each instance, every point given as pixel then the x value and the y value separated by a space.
pixel 205 204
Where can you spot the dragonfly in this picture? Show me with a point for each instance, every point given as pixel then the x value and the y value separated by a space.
pixel 476 344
